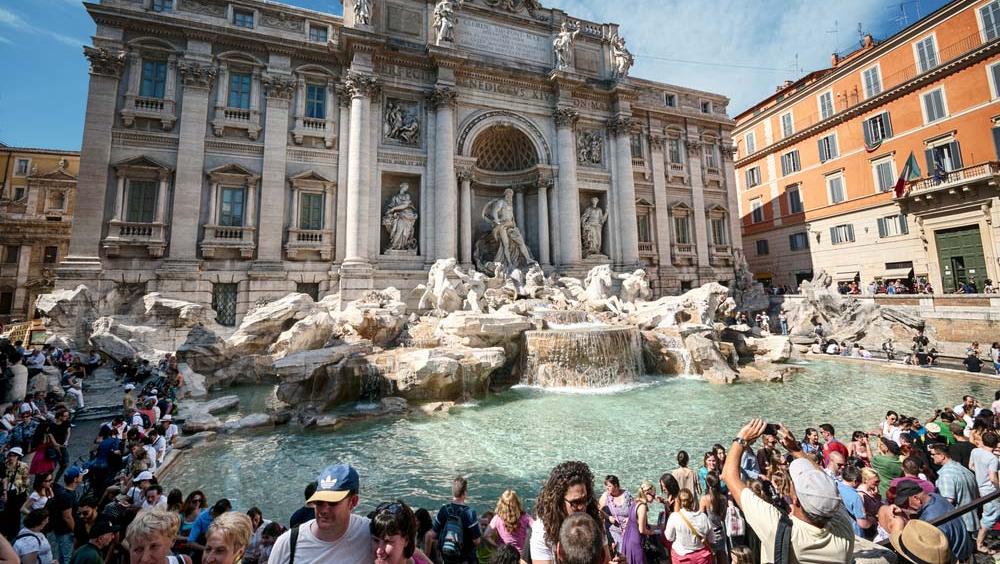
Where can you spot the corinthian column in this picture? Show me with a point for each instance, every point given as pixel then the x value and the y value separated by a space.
pixel 83 259
pixel 360 87
pixel 569 197
pixel 465 216
pixel 624 189
pixel 446 190
pixel 543 221
pixel 278 92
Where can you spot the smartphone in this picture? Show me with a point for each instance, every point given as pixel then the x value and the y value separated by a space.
pixel 771 429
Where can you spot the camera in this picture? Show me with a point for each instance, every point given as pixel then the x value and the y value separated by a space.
pixel 771 429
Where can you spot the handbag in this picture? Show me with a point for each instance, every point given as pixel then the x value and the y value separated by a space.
pixel 52 453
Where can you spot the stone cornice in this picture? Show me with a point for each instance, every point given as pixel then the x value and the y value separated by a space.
pixel 105 62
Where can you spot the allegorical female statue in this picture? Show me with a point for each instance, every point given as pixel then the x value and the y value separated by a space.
pixel 363 12
pixel 399 220
pixel 562 45
pixel 592 225
pixel 444 22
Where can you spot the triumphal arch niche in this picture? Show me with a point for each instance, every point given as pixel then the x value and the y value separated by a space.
pixel 284 149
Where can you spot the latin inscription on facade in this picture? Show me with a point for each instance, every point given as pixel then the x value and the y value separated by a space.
pixel 402 20
pixel 405 73
pixel 503 41
pixel 513 90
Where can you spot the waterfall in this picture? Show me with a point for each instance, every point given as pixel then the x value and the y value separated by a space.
pixel 589 357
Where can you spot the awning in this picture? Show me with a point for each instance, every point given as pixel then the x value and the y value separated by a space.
pixel 762 275
pixel 894 273
pixel 845 276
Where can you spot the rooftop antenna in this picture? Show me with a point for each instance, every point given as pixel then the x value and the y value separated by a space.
pixel 861 35
pixel 836 35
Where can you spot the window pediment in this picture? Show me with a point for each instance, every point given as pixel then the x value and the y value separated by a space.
pixel 142 166
pixel 311 179
pixel 233 172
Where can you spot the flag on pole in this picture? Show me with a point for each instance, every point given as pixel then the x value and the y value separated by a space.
pixel 911 172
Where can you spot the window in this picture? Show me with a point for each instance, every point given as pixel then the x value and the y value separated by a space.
pixel 790 162
pixel 316 101
pixel 154 79
pixel 892 226
pixel 842 234
pixel 681 232
pixel 933 105
pixel 787 127
pixel 877 128
pixel 826 105
pixel 926 54
pixel 990 15
pixel 140 201
pixel 23 167
pixel 753 176
pixel 51 255
pixel 231 206
pixel 946 156
pixel 243 18
pixel 11 253
pixel 309 288
pixel 794 199
pixel 224 303
pixel 642 225
pixel 239 90
pixel 756 211
pixel 6 303
pixel 885 178
pixel 311 211
pixel 711 156
pixel 751 142
pixel 670 100
pixel 162 5
pixel 718 225
pixel 994 75
pixel 317 33
pixel 636 144
pixel 872 82
pixel 828 148
pixel 762 247
pixel 835 188
pixel 798 241
pixel 18 193
pixel 706 107
pixel 674 150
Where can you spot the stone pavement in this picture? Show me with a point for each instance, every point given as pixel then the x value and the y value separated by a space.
pixel 102 395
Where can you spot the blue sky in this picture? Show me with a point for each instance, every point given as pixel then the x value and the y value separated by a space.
pixel 739 48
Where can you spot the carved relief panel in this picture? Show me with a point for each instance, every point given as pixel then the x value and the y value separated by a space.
pixel 590 148
pixel 401 121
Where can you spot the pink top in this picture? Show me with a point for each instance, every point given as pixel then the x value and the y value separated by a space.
pixel 518 537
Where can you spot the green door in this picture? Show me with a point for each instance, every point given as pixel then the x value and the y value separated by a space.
pixel 960 254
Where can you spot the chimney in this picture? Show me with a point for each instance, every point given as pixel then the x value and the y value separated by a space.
pixel 868 41
pixel 834 59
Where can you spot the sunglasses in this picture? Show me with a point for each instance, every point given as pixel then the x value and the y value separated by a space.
pixel 394 508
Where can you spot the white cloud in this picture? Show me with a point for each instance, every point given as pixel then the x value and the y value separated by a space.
pixel 13 21
pixel 5 40
pixel 730 33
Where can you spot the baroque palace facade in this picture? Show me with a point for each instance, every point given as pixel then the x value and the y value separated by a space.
pixel 818 160
pixel 235 151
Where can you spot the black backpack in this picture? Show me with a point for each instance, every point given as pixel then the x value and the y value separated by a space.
pixel 452 535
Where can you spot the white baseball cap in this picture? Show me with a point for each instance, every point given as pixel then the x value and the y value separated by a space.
pixel 144 475
pixel 817 493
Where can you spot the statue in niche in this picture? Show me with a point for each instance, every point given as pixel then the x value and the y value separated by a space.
pixel 621 59
pixel 592 224
pixel 444 22
pixel 590 148
pixel 363 12
pixel 399 219
pixel 503 245
pixel 400 124
pixel 562 45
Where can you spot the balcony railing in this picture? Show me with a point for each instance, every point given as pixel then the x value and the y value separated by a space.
pixel 307 242
pixel 228 237
pixel 236 114
pixel 135 233
pixel 8 270
pixel 237 118
pixel 646 248
pixel 149 104
pixel 149 108
pixel 314 124
pixel 638 162
pixel 965 175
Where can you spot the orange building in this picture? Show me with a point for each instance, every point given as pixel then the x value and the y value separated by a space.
pixel 818 160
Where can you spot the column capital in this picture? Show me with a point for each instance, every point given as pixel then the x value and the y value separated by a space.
pixel 728 151
pixel 656 141
pixel 359 85
pixel 277 86
pixel 197 75
pixel 105 62
pixel 620 125
pixel 565 117
pixel 441 96
pixel 693 147
pixel 464 173
pixel 544 183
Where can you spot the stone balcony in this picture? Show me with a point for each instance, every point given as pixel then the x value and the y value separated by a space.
pixel 150 108
pixel 321 128
pixel 220 240
pixel 683 254
pixel 720 255
pixel 647 249
pixel 8 270
pixel 309 243
pixel 960 180
pixel 123 234
pixel 237 118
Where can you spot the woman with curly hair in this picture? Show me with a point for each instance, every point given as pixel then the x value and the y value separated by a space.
pixel 510 523
pixel 569 489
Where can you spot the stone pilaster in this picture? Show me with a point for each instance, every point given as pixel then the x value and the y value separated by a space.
pixel 623 186
pixel 446 189
pixel 694 150
pixel 184 223
pixel 360 87
pixel 20 284
pixel 465 215
pixel 662 219
pixel 569 197
pixel 83 262
pixel 728 152
pixel 278 91
pixel 343 132
pixel 543 221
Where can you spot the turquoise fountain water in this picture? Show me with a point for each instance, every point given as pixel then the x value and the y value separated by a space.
pixel 514 439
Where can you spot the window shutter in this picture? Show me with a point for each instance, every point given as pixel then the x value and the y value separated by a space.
pixel 887 124
pixel 929 154
pixel 881 227
pixel 850 232
pixel 996 140
pixel 866 127
pixel 956 155
pixel 833 235
pixel 822 153
pixel 904 229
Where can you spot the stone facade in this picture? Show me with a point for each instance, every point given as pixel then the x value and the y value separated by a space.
pixel 37 197
pixel 233 153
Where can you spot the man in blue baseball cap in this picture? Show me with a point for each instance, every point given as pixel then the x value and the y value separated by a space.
pixel 336 534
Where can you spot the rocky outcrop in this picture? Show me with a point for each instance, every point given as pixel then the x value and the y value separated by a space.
pixel 312 332
pixel 776 348
pixel 708 360
pixel 701 306
pixel 317 380
pixel 68 312
pixel 252 421
pixel 166 312
pixel 194 383
pixel 262 326
pixel 386 407
pixel 441 374
pixel 204 350
pixel 664 353
pixel 201 422
pixel 248 369
pixel 470 329
pixel 120 341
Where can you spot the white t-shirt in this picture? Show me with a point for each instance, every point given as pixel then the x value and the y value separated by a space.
pixel 355 546
pixel 161 503
pixel 37 500
pixel 809 544
pixel 33 542
pixel 540 549
pixel 170 433
pixel 677 531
